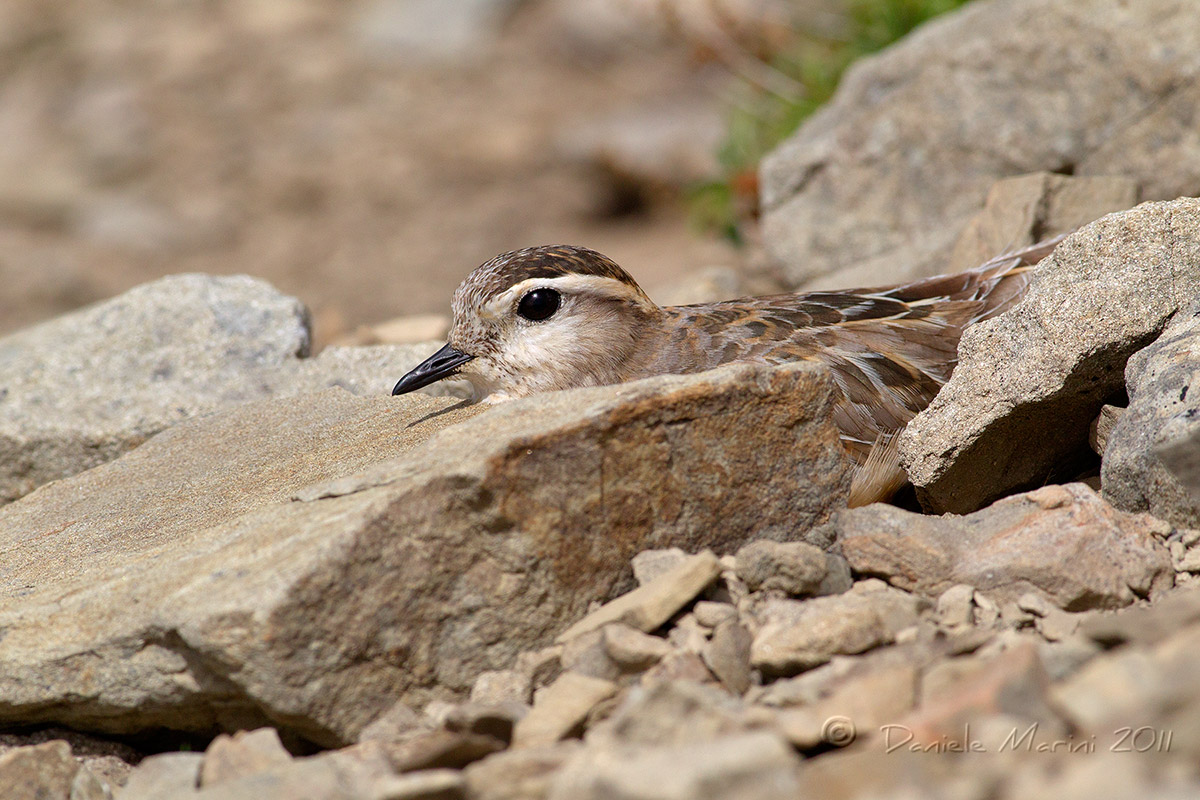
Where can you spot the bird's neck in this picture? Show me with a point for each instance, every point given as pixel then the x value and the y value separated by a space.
pixel 669 345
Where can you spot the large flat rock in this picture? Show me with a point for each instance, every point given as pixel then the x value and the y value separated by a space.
pixel 876 186
pixel 1029 383
pixel 309 561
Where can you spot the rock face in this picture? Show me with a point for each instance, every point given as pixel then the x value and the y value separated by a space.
pixel 82 389
pixel 1063 541
pixel 1182 459
pixel 1134 679
pixel 1040 373
pixel 875 186
pixel 309 561
pixel 1024 210
pixel 1163 382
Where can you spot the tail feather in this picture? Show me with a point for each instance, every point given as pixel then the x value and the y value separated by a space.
pixel 926 346
pixel 880 475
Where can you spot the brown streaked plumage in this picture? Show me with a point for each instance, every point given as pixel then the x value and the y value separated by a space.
pixel 559 317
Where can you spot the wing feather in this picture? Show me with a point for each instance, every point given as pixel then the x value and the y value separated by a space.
pixel 890 349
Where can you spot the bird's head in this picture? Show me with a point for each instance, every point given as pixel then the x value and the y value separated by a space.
pixel 540 319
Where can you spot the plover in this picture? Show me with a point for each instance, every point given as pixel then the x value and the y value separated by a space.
pixel 560 317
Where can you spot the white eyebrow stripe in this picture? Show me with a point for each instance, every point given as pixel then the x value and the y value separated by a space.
pixel 567 284
pixel 596 284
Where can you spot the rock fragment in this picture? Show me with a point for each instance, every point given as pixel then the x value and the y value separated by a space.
pixel 346 774
pixel 436 749
pixel 244 753
pixel 164 775
pixel 1135 684
pixel 560 708
pixel 501 686
pixel 1012 683
pixel 1063 541
pixel 727 654
pixel 518 774
pixel 631 649
pixel 749 766
pixel 82 389
pixel 955 607
pixel 794 636
pixel 430 784
pixel 1146 625
pixel 652 604
pixel 710 614
pixel 108 762
pixel 669 713
pixel 46 771
pixel 798 569
pixel 649 564
pixel 857 707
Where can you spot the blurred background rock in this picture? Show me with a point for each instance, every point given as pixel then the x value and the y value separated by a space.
pixel 365 155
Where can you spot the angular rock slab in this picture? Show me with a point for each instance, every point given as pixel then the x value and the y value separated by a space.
pixel 307 562
pixel 875 186
pixel 1152 459
pixel 795 636
pixel 1063 541
pixel 84 388
pixel 1029 383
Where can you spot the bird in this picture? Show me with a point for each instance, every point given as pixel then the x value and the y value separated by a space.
pixel 558 317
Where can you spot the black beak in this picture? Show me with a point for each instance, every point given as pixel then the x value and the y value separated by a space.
pixel 442 364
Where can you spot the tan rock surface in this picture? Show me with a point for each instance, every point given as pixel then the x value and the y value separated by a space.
pixel 748 766
pixel 794 636
pixel 560 708
pixel 38 772
pixel 308 561
pixel 650 605
pixel 245 753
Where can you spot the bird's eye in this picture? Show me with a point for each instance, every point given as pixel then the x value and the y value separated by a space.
pixel 539 304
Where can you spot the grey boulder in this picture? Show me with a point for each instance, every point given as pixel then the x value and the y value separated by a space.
pixel 876 186
pixel 82 389
pixel 1029 383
